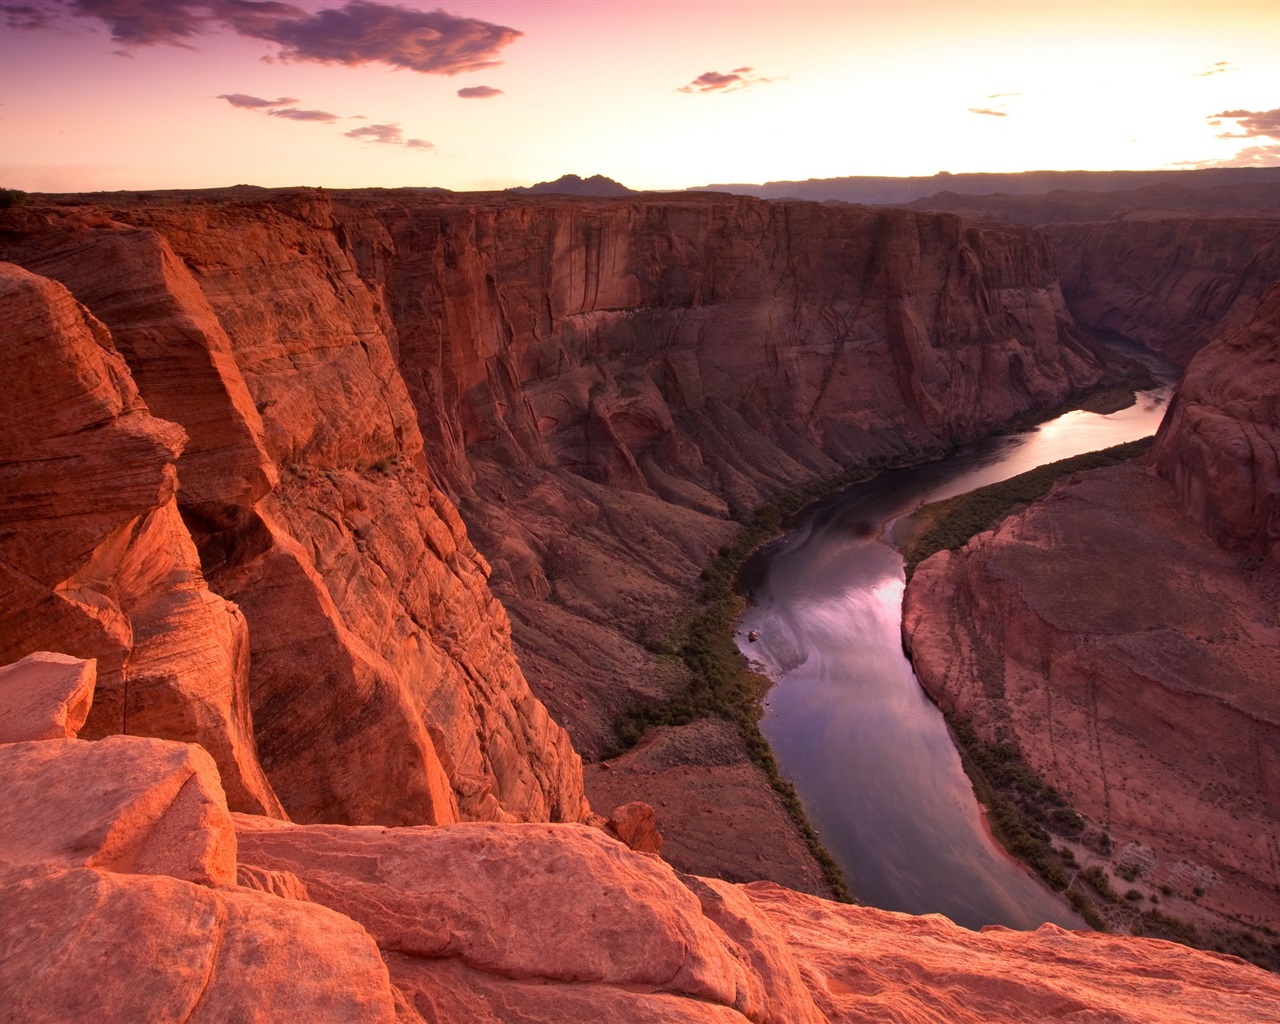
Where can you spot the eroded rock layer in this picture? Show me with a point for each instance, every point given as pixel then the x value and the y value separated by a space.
pixel 363 638
pixel 1173 283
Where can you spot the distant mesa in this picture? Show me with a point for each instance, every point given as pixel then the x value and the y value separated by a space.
pixel 572 185
pixel 890 191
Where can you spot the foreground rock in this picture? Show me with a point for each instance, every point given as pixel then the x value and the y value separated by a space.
pixel 506 923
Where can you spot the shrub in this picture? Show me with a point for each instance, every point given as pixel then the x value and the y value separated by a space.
pixel 13 197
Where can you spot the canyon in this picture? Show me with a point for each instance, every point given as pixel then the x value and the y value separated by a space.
pixel 249 428
pixel 1146 689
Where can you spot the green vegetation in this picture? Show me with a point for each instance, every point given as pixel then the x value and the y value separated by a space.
pixel 947 525
pixel 12 197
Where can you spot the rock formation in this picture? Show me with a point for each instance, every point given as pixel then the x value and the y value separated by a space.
pixel 1123 634
pixel 1173 284
pixel 361 623
pixel 595 383
pixel 158 904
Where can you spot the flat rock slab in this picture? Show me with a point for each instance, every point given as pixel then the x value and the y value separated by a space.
pixel 45 696
pixel 125 804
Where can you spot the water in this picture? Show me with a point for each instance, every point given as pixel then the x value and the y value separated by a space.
pixel 849 723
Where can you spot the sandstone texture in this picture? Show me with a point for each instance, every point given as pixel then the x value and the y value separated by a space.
pixel 501 923
pixel 1219 446
pixel 1172 283
pixel 45 696
pixel 364 671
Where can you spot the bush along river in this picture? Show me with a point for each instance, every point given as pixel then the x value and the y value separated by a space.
pixel 849 724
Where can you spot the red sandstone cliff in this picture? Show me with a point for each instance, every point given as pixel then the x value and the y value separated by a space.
pixel 1219 446
pixel 1173 283
pixel 1115 634
pixel 595 381
pixel 378 666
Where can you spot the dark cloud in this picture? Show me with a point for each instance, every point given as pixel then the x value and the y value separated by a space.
pixel 26 16
pixel 1217 68
pixel 358 32
pixel 247 102
pixel 988 111
pixel 146 23
pixel 361 32
pixel 479 92
pixel 389 134
pixel 714 81
pixel 1253 124
pixel 294 114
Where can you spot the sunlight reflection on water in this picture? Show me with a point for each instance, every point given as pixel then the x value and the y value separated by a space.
pixel 847 719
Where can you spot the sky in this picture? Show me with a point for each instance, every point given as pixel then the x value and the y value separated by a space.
pixel 149 94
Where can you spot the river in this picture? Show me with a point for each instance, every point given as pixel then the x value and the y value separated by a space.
pixel 851 727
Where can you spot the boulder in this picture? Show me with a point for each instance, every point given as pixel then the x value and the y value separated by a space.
pixel 45 696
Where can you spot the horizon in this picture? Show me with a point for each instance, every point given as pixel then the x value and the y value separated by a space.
pixel 490 94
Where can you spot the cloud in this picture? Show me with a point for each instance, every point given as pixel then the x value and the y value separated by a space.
pixel 1254 123
pixel 988 111
pixel 388 134
pixel 358 32
pixel 294 114
pixel 247 102
pixel 479 92
pixel 714 81
pixel 1002 95
pixel 1216 68
pixel 26 16
pixel 1250 156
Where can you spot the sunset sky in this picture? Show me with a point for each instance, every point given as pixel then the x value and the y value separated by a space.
pixel 143 94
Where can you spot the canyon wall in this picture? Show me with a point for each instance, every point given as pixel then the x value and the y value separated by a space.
pixel 595 384
pixel 1123 634
pixel 345 610
pixel 1174 283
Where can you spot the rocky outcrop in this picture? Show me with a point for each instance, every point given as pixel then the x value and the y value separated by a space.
pixel 45 696
pixel 94 558
pixel 1219 445
pixel 1172 283
pixel 497 922
pixel 377 664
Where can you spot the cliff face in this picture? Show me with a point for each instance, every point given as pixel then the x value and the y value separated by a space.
pixel 601 382
pixel 1116 635
pixel 594 382
pixel 381 679
pixel 1219 446
pixel 1172 283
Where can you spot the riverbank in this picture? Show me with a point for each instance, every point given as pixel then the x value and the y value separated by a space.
pixel 649 759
